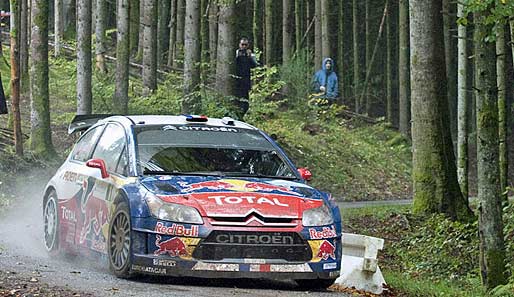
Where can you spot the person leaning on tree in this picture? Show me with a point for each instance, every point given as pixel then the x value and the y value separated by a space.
pixel 324 82
pixel 245 61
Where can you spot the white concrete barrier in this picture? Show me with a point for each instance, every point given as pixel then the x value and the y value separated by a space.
pixel 359 264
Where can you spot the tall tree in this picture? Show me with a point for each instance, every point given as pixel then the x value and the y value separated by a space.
pixel 225 53
pixel 436 189
pixel 134 25
pixel 15 75
pixel 268 47
pixel 100 28
pixel 391 64
pixel 173 32
pixel 287 31
pixel 462 104
pixel 141 40
pixel 364 100
pixel 490 226
pixel 40 132
pixel 162 29
pixel 150 47
pixel 24 45
pixel 58 26
pixel 502 107
pixel 404 70
pixel 325 29
pixel 192 57
pixel 318 46
pixel 356 55
pixel 298 23
pixel 450 59
pixel 179 40
pixel 120 99
pixel 84 74
pixel 213 32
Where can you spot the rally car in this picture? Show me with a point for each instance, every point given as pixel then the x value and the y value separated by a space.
pixel 190 196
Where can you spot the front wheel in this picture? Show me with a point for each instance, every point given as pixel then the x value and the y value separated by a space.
pixel 51 223
pixel 120 242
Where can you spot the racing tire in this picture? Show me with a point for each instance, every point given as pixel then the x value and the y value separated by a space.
pixel 314 284
pixel 51 223
pixel 119 243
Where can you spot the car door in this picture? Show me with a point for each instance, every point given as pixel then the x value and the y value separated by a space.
pixel 96 205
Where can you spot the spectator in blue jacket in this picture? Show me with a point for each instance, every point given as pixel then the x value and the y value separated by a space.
pixel 325 81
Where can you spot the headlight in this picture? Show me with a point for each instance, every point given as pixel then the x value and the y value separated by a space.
pixel 173 212
pixel 317 216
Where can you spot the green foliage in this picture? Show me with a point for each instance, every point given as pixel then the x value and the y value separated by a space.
pixel 297 74
pixel 499 12
pixel 165 100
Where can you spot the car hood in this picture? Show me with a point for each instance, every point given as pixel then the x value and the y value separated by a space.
pixel 236 197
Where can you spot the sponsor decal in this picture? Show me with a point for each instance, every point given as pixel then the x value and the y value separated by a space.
pixel 148 269
pixel 164 262
pixel 330 265
pixel 174 247
pixel 224 200
pixel 326 250
pixel 70 176
pixel 325 233
pixel 255 239
pixel 68 214
pixel 199 128
pixel 176 229
pixel 237 186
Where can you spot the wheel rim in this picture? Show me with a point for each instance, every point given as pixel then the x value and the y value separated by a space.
pixel 120 241
pixel 50 218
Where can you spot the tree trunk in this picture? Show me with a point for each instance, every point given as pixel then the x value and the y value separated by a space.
pixel 134 26
pixel 436 189
pixel 84 94
pixel 356 56
pixel 298 18
pixel 101 25
pixel 404 70
pixel 450 56
pixel 150 48
pixel 120 102
pixel 342 49
pixel 325 29
pixel 204 34
pixel 179 40
pixel 162 29
pixel 318 46
pixel 287 31
pixel 173 32
pixel 364 100
pixel 268 14
pixel 40 132
pixel 226 56
pixel 391 64
pixel 192 57
pixel 24 47
pixel 462 105
pixel 15 75
pixel 58 27
pixel 502 107
pixel 140 47
pixel 490 228
pixel 213 32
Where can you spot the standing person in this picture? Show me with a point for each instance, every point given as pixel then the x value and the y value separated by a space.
pixel 325 81
pixel 245 61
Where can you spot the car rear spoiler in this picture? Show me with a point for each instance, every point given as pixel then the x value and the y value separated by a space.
pixel 83 122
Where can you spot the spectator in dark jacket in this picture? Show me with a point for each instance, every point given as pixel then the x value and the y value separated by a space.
pixel 3 103
pixel 325 81
pixel 245 61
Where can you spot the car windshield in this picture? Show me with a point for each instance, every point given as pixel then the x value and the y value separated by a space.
pixel 208 150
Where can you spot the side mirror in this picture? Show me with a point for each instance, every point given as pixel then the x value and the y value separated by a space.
pixel 305 173
pixel 100 164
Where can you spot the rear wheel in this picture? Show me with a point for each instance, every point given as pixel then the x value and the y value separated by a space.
pixel 120 242
pixel 51 223
pixel 314 284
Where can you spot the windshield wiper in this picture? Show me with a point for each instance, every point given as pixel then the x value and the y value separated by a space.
pixel 240 174
pixel 175 172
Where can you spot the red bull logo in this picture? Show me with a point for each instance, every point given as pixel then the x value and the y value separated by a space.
pixel 326 249
pixel 209 185
pixel 174 247
pixel 176 229
pixel 239 186
pixel 325 233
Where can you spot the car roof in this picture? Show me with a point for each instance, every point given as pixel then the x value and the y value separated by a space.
pixel 177 120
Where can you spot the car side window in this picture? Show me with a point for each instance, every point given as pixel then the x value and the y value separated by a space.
pixel 83 148
pixel 111 147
